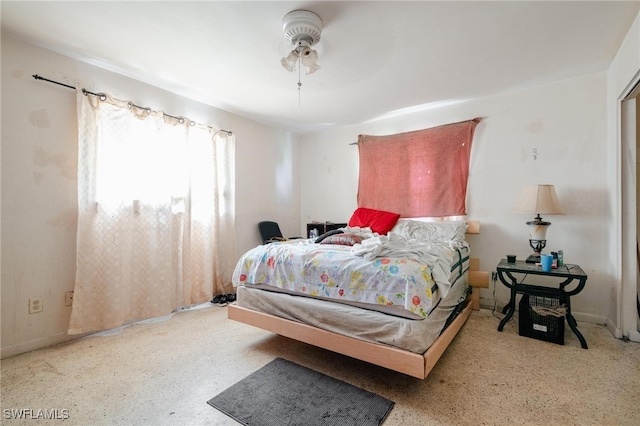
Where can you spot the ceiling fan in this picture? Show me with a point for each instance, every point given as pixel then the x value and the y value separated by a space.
pixel 302 29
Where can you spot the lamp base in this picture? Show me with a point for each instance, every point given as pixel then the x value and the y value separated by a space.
pixel 533 258
pixel 537 246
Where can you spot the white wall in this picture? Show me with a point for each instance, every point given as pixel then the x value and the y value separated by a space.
pixel 554 133
pixel 39 158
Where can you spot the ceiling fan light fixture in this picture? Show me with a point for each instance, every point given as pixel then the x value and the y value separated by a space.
pixel 302 28
pixel 289 62
pixel 302 25
pixel 308 58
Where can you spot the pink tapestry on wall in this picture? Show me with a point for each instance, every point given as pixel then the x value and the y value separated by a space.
pixel 417 174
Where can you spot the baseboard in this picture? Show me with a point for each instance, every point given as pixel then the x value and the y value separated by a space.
pixel 590 318
pixel 634 336
pixel 43 342
pixel 32 345
pixel 617 333
pixel 579 316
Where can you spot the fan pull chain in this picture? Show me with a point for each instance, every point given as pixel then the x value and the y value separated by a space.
pixel 299 73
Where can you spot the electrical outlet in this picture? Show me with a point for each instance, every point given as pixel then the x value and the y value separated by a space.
pixel 35 305
pixel 494 276
pixel 68 298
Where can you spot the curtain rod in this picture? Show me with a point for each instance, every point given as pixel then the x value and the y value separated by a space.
pixel 102 96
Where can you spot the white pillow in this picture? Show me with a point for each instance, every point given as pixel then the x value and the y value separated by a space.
pixel 432 231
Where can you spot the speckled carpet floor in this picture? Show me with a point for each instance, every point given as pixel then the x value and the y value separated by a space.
pixel 163 372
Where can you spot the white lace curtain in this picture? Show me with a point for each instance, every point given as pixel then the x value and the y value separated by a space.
pixel 156 219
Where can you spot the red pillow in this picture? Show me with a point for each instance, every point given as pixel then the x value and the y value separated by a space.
pixel 379 221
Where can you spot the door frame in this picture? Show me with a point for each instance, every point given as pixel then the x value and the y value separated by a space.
pixel 628 175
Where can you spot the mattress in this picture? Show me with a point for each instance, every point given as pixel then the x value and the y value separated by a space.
pixel 414 335
pixel 390 274
pixel 397 289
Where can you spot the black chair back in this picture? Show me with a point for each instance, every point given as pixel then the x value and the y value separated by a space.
pixel 269 231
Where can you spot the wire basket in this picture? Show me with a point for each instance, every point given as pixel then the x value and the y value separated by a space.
pixel 539 326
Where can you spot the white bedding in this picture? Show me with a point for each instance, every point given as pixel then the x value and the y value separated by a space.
pixel 383 270
pixel 397 289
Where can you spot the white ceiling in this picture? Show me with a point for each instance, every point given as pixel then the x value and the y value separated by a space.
pixel 377 58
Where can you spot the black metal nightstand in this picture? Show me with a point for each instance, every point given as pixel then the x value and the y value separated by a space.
pixel 569 274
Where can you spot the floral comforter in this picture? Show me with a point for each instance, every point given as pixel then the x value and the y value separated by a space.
pixel 383 270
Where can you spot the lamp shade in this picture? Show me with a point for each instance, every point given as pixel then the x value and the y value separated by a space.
pixel 539 199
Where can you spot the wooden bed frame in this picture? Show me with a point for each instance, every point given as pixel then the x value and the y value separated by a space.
pixel 410 363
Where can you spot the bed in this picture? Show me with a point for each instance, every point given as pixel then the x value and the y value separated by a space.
pixel 395 298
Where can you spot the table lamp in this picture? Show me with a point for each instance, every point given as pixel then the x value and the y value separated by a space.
pixel 538 199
